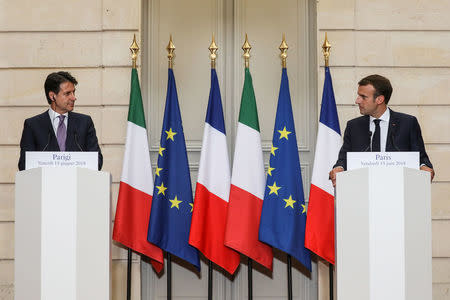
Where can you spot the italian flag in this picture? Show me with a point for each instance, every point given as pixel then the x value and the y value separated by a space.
pixel 136 184
pixel 213 188
pixel 247 183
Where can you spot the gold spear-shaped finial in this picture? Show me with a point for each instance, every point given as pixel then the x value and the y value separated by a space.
pixel 170 49
pixel 283 48
pixel 326 50
pixel 134 48
pixel 213 49
pixel 246 47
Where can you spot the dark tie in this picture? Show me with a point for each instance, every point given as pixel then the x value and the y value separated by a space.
pixel 61 133
pixel 376 137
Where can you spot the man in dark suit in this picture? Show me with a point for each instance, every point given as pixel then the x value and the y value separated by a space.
pixel 59 129
pixel 380 128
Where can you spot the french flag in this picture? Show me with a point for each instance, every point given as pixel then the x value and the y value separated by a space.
pixel 213 188
pixel 319 236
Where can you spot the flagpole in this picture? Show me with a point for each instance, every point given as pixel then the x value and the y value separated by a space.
pixel 246 48
pixel 213 49
pixel 134 48
pixel 326 55
pixel 169 276
pixel 250 278
pixel 129 275
pixel 170 49
pixel 331 281
pixel 289 275
pixel 283 48
pixel 210 276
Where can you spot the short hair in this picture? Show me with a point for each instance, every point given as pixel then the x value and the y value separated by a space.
pixel 54 80
pixel 381 84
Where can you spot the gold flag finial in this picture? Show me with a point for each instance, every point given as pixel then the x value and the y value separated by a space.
pixel 283 48
pixel 134 48
pixel 246 47
pixel 170 49
pixel 213 49
pixel 326 50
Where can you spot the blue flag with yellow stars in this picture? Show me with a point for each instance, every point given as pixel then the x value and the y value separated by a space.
pixel 170 216
pixel 283 215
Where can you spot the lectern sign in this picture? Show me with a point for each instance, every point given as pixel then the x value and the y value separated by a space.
pixel 38 159
pixel 357 160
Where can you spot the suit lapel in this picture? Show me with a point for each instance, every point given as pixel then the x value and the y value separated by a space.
pixel 45 117
pixel 366 122
pixel 46 122
pixel 365 133
pixel 71 129
pixel 392 130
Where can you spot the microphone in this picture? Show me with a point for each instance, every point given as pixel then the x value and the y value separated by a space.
pixel 76 141
pixel 369 146
pixel 48 140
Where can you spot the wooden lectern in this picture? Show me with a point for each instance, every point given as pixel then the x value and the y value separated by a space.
pixel 62 234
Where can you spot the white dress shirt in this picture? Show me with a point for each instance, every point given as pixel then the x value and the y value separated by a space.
pixel 384 126
pixel 54 117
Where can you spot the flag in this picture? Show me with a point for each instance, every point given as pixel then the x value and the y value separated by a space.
pixel 247 183
pixel 136 184
pixel 319 236
pixel 213 188
pixel 283 215
pixel 170 217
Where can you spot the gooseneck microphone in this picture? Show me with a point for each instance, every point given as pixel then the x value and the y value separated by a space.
pixel 76 141
pixel 48 140
pixel 368 148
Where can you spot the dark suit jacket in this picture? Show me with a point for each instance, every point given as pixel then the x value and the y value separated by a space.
pixel 38 135
pixel 403 135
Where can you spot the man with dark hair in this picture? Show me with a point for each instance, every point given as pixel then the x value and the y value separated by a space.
pixel 53 83
pixel 380 128
pixel 58 128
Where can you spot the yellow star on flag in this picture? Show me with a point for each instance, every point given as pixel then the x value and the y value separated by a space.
pixel 289 202
pixel 192 206
pixel 284 133
pixel 175 202
pixel 272 150
pixel 170 134
pixel 157 171
pixel 274 188
pixel 269 170
pixel 161 149
pixel 304 208
pixel 161 189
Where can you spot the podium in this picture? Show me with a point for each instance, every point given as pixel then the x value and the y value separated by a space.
pixel 383 234
pixel 62 234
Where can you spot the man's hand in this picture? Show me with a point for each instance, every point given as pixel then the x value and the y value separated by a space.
pixel 428 169
pixel 332 175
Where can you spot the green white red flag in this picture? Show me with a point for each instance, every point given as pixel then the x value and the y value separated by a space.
pixel 247 183
pixel 136 184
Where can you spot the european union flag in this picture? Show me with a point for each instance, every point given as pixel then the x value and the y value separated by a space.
pixel 283 215
pixel 170 217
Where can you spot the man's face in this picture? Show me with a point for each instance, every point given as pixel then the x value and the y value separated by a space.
pixel 368 105
pixel 64 101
